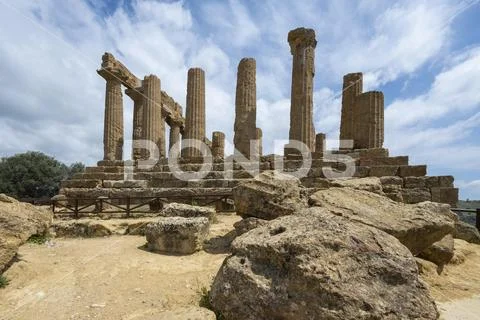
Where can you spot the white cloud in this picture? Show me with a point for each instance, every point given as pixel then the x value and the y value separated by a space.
pixel 52 98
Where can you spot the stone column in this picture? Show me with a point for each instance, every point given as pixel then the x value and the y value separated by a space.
pixel 259 136
pixel 302 47
pixel 245 106
pixel 218 145
pixel 174 135
pixel 113 121
pixel 153 121
pixel 368 120
pixel 195 113
pixel 352 87
pixel 137 133
pixel 320 144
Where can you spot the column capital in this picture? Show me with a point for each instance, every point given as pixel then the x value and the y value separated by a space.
pixel 301 37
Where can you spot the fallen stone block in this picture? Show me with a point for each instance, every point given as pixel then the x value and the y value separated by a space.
pixel 177 235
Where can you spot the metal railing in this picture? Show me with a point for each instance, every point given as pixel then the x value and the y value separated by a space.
pixel 129 205
pixel 476 211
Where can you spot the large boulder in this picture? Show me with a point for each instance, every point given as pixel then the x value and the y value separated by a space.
pixel 187 211
pixel 371 184
pixel 248 224
pixel 416 226
pixel 441 252
pixel 177 235
pixel 270 195
pixel 466 232
pixel 18 222
pixel 315 265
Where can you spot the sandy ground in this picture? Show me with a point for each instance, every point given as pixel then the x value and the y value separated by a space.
pixel 105 278
pixel 457 289
pixel 115 278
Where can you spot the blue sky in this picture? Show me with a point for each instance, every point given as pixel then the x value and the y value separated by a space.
pixel 424 55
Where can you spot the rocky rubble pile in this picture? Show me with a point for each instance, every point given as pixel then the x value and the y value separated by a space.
pixel 348 254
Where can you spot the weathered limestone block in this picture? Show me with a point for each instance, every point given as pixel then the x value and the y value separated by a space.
pixel 372 153
pixel 445 195
pixel 270 195
pixel 391 180
pixel 399 161
pixel 362 172
pixel 416 226
pixel 441 252
pixel 440 181
pixel 245 107
pixel 247 224
pixel 413 196
pixel 177 235
pixel 302 46
pixel 187 211
pixel 466 232
pixel 383 171
pixel 218 145
pixel 153 119
pixel 316 265
pixel 195 112
pixel 352 87
pixel 18 222
pixel 368 120
pixel 414 182
pixel 412 171
pixel 371 184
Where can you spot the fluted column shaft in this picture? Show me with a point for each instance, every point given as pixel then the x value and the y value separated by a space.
pixel 113 121
pixel 137 131
pixel 259 138
pixel 218 145
pixel 174 137
pixel 195 112
pixel 369 120
pixel 352 87
pixel 153 121
pixel 245 106
pixel 302 46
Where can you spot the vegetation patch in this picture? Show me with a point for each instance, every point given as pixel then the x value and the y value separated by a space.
pixel 38 239
pixel 204 302
pixel 3 281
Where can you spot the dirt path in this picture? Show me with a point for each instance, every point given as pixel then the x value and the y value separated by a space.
pixel 105 278
pixel 114 278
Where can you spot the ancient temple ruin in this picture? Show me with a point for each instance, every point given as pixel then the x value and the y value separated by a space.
pixel 361 135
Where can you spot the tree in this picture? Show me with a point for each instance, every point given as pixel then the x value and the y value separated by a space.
pixel 34 175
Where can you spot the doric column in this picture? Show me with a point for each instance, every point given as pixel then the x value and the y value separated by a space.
pixel 174 136
pixel 368 120
pixel 153 121
pixel 320 145
pixel 113 121
pixel 195 113
pixel 245 106
pixel 137 132
pixel 352 87
pixel 258 137
pixel 218 145
pixel 302 47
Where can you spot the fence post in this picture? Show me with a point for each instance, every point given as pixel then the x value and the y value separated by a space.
pixel 477 219
pixel 128 207
pixel 76 209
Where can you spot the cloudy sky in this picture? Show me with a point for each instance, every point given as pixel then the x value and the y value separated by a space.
pixel 424 55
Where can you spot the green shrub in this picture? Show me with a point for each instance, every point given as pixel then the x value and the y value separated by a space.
pixel 38 239
pixel 3 281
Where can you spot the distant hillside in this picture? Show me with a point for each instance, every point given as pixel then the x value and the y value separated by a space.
pixel 469 204
pixel 468 217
